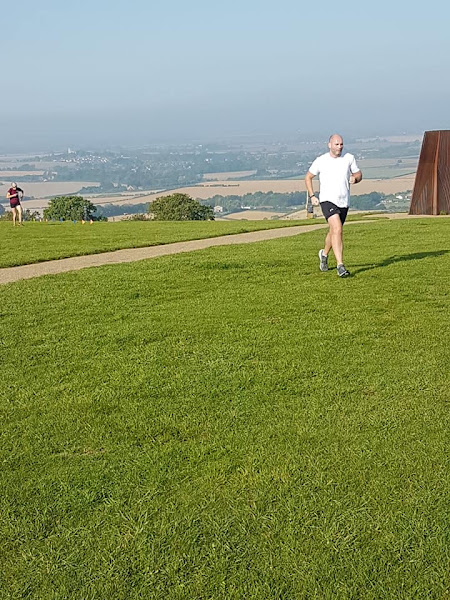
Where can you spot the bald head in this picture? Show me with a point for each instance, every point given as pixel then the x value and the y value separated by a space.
pixel 336 145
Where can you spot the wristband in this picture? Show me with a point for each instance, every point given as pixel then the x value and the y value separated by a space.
pixel 312 196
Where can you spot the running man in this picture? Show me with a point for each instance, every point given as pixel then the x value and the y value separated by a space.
pixel 15 195
pixel 336 172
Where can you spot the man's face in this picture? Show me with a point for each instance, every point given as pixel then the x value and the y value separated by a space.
pixel 336 145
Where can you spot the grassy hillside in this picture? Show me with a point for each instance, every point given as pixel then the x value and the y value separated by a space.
pixel 231 424
pixel 36 242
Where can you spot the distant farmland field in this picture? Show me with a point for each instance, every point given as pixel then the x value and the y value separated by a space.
pixel 229 175
pixel 37 164
pixel 240 188
pixel 388 168
pixel 41 191
pixel 9 174
pixel 387 176
pixel 371 163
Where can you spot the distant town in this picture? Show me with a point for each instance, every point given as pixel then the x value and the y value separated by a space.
pixel 229 177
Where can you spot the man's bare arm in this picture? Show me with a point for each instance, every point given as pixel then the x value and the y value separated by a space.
pixel 356 177
pixel 309 187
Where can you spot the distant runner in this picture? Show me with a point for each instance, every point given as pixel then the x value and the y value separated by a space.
pixel 15 195
pixel 336 173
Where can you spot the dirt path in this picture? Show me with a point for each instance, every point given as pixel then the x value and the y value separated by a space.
pixel 52 267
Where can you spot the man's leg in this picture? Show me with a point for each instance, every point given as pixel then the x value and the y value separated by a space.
pixel 14 212
pixel 334 238
pixel 327 248
pixel 19 210
pixel 323 254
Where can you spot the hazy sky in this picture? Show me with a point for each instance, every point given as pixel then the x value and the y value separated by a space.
pixel 110 71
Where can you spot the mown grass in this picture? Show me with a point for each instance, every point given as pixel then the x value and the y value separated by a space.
pixel 231 424
pixel 36 242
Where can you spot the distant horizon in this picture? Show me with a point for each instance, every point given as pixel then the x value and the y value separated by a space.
pixel 38 136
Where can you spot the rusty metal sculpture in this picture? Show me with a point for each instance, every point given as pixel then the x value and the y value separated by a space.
pixel 431 193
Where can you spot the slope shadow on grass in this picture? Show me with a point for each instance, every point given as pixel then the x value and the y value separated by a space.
pixel 399 258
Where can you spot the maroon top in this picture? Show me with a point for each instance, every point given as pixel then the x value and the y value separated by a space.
pixel 14 196
pixel 14 192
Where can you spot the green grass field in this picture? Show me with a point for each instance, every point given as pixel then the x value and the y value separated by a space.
pixel 231 424
pixel 36 242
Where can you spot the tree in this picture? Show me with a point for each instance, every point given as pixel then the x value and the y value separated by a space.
pixel 180 207
pixel 69 208
pixel 368 201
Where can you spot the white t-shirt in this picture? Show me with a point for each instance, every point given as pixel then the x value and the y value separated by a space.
pixel 334 173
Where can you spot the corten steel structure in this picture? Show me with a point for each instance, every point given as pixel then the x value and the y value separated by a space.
pixel 431 193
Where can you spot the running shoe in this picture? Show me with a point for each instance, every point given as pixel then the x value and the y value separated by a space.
pixel 342 271
pixel 323 261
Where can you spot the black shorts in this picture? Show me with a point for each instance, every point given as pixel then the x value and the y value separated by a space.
pixel 329 209
pixel 14 202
